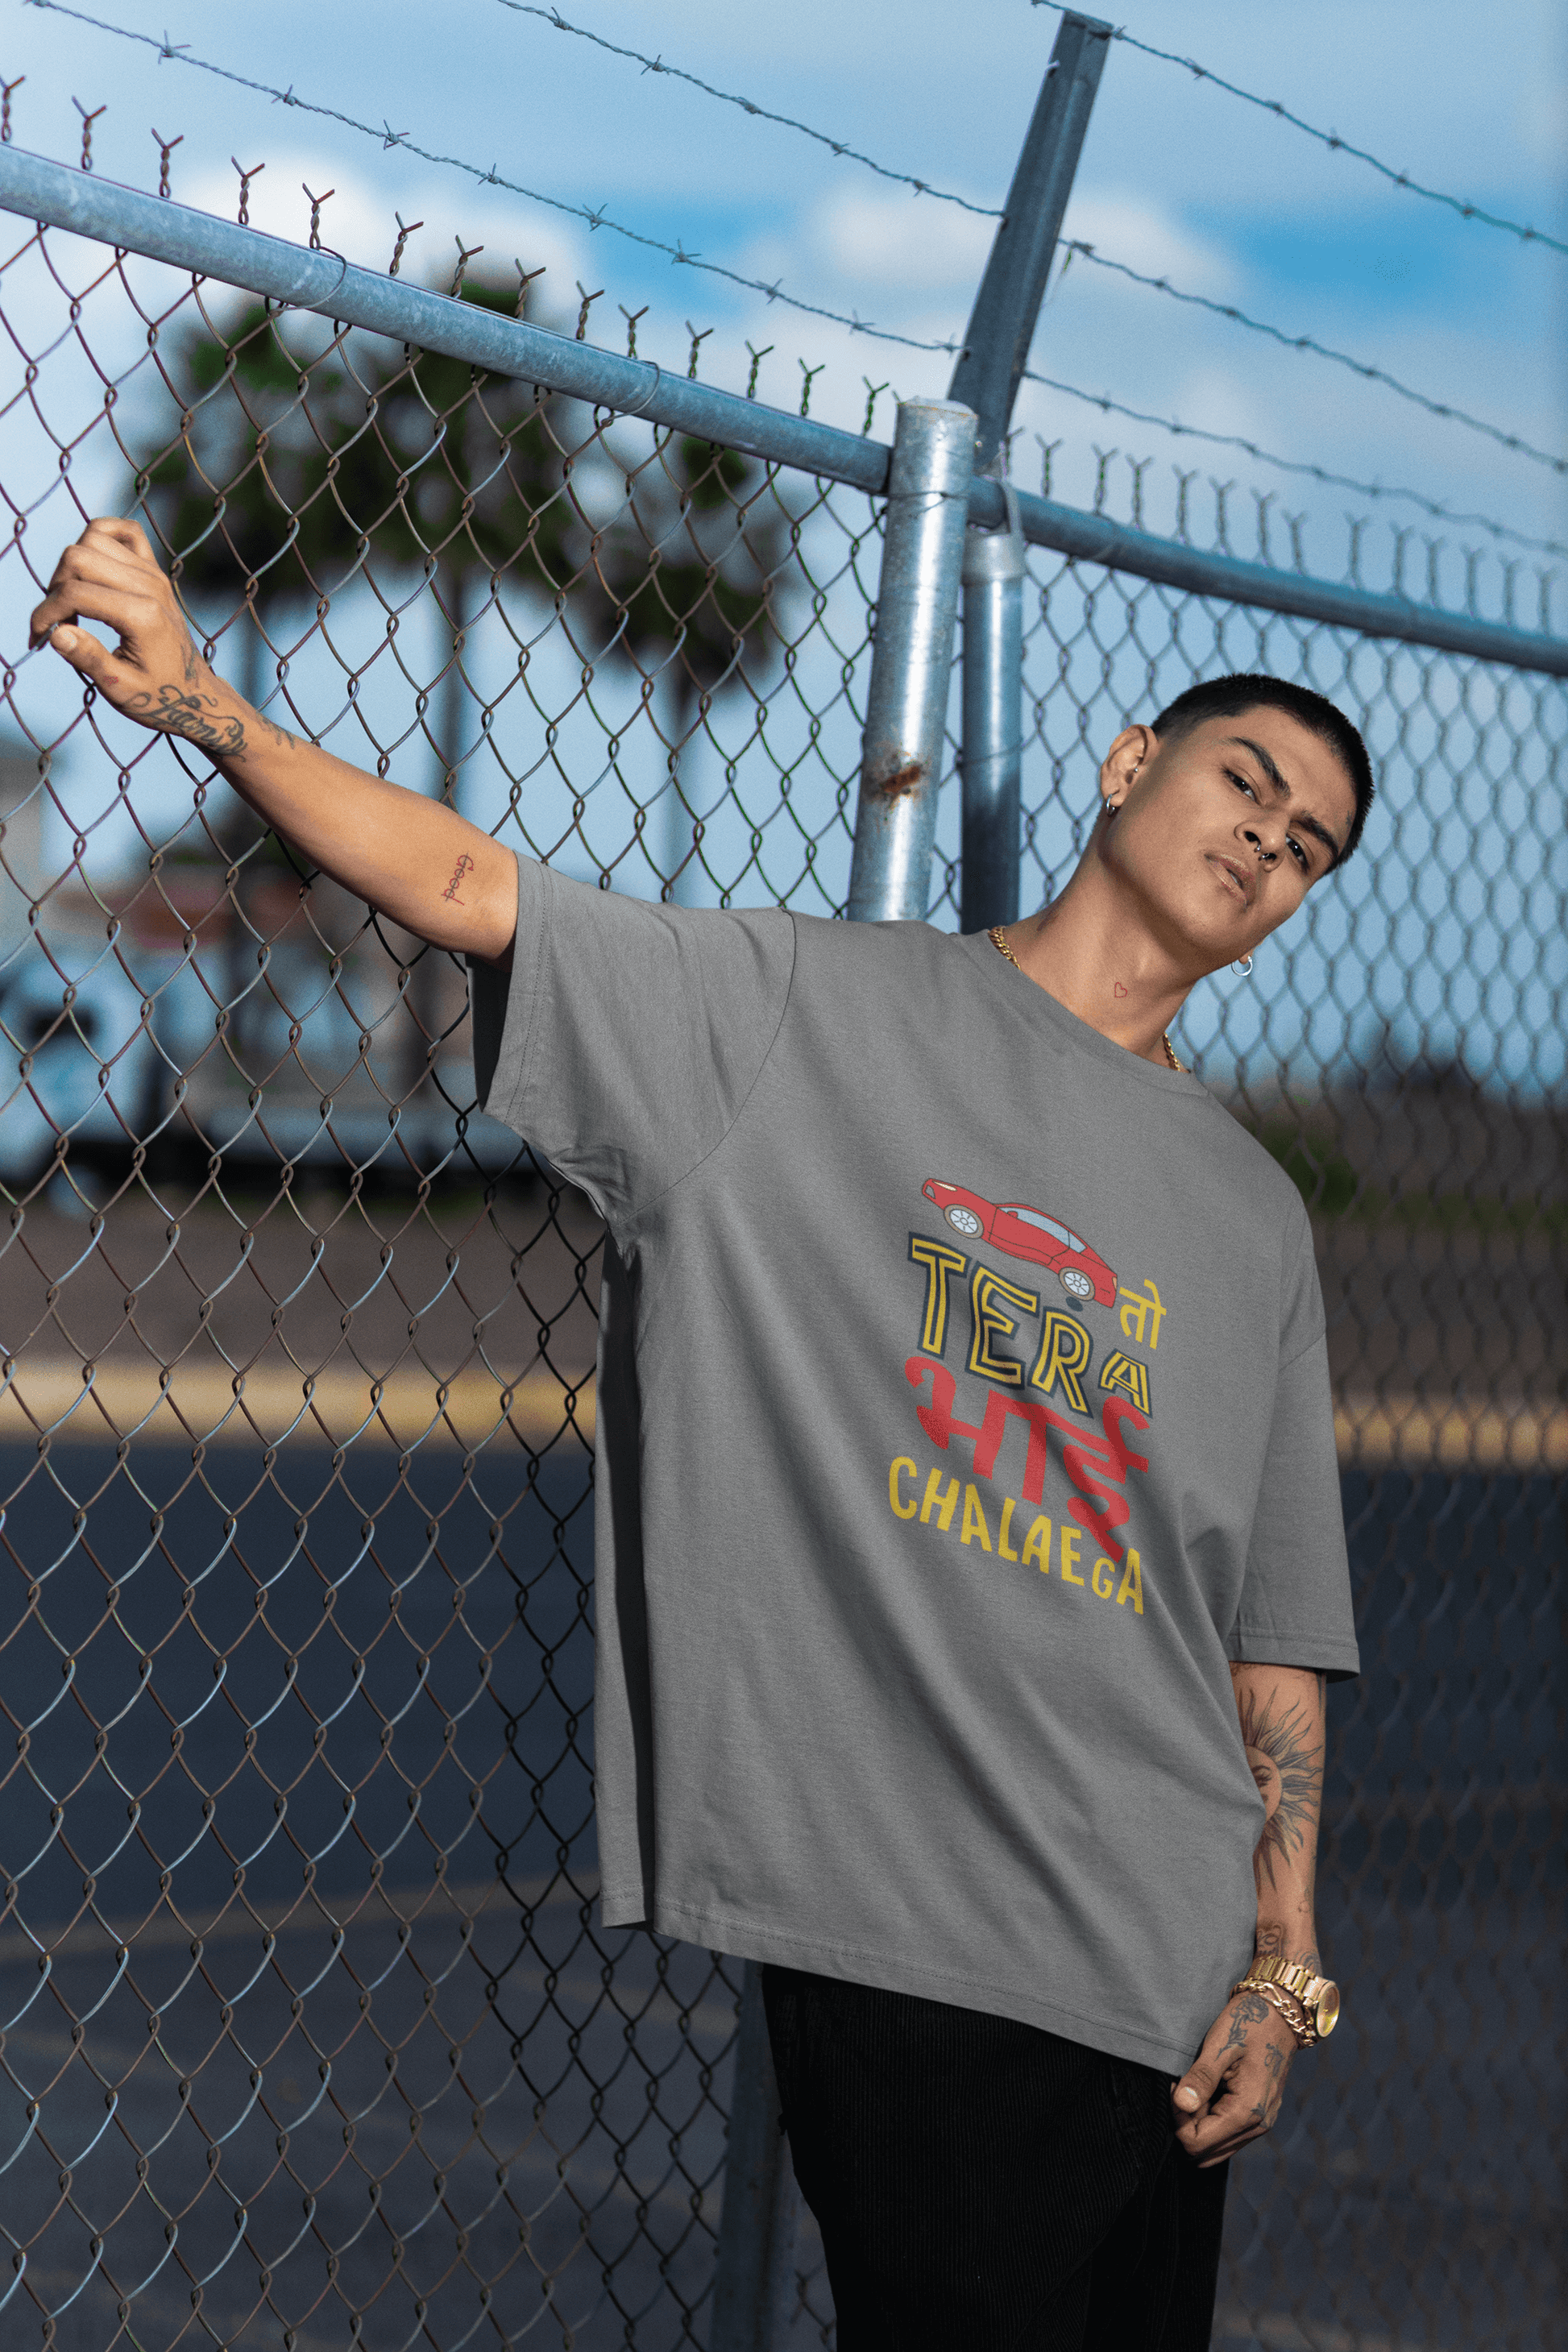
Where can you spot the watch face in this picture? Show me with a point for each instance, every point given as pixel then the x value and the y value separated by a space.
pixel 1328 2009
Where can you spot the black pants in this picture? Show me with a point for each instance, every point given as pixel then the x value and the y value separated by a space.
pixel 982 2186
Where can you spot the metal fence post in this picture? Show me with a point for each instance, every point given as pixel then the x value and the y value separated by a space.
pixel 1002 323
pixel 911 664
pixel 753 2279
pixel 991 757
pixel 901 764
pixel 995 351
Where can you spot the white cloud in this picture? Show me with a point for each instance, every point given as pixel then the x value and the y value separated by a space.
pixel 1544 123
pixel 860 239
pixel 359 222
pixel 355 222
pixel 899 242
pixel 1222 399
pixel 914 265
pixel 1128 228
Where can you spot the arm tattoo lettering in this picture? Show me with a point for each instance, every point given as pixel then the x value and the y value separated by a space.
pixel 192 717
pixel 465 865
pixel 1288 1770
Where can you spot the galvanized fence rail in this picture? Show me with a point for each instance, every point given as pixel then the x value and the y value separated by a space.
pixel 309 2036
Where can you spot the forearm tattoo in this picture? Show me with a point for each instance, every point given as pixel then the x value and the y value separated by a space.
pixel 1287 1766
pixel 1272 1943
pixel 194 718
pixel 465 865
pixel 1269 1941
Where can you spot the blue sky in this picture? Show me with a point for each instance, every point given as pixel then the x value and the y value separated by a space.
pixel 1177 179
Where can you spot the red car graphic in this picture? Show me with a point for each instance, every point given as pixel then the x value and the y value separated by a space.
pixel 1026 1233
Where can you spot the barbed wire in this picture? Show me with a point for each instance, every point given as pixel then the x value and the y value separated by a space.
pixel 1323 351
pixel 1102 400
pixel 172 52
pixel 1332 139
pixel 178 53
pixel 749 106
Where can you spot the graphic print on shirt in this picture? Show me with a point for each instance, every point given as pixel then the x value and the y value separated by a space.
pixel 1025 1232
pixel 1044 1371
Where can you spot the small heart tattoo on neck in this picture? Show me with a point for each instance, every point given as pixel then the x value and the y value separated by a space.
pixel 1119 990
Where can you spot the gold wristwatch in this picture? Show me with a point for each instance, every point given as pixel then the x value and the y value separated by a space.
pixel 1318 1997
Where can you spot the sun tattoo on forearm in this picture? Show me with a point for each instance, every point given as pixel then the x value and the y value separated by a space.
pixel 1287 1768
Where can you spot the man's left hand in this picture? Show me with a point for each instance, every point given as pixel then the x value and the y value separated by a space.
pixel 1231 2092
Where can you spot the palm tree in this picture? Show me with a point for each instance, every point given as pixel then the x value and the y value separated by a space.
pixel 305 461
pixel 290 470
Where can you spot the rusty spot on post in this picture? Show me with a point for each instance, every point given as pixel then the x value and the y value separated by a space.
pixel 903 780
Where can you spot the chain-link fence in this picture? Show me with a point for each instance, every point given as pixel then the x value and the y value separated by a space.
pixel 310 2037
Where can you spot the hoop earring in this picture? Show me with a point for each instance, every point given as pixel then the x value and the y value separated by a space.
pixel 1244 967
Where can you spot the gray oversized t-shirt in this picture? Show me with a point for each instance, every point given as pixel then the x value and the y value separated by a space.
pixel 963 1409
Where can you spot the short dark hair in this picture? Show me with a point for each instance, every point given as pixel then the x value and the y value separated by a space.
pixel 1228 697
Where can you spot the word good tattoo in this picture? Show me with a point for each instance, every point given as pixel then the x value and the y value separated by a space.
pixel 1287 1768
pixel 465 865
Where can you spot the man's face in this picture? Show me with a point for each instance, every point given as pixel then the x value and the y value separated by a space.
pixel 1222 831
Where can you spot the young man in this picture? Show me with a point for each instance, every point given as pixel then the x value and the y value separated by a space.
pixel 970 1558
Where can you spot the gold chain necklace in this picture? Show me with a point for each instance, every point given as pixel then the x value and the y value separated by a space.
pixel 998 939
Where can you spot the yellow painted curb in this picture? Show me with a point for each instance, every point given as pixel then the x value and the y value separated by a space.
pixel 1406 1431
pixel 277 1405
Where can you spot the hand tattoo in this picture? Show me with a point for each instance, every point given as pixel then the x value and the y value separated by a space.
pixel 1274 2059
pixel 187 714
pixel 1287 1771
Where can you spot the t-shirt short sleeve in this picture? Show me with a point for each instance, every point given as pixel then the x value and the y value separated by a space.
pixel 1295 1598
pixel 629 1036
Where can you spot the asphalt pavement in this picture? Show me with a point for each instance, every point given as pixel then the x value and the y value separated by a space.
pixel 335 2032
